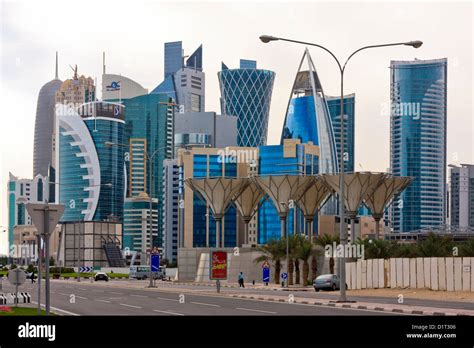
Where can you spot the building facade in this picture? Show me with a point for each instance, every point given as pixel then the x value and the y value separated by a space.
pixel 90 175
pixel 21 192
pixel 116 88
pixel 170 209
pixel 334 105
pixel 461 194
pixel 246 93
pixel 418 141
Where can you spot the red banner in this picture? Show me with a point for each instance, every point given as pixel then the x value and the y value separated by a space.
pixel 218 265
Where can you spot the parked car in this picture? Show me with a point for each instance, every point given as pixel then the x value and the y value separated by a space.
pixel 101 276
pixel 327 282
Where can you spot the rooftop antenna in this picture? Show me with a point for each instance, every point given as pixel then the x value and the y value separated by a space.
pixel 56 77
pixel 75 72
pixel 103 62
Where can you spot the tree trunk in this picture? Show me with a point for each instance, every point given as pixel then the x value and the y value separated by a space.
pixel 277 271
pixel 314 268
pixel 305 271
pixel 297 271
pixel 290 271
pixel 331 265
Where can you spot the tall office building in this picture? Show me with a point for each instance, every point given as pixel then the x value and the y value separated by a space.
pixel 116 88
pixel 461 193
pixel 308 119
pixel 44 125
pixel 334 105
pixel 170 209
pixel 90 174
pixel 246 93
pixel 184 81
pixel 418 141
pixel 20 192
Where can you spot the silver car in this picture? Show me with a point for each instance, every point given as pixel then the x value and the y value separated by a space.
pixel 327 282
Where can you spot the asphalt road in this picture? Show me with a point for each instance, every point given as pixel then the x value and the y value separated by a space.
pixel 86 298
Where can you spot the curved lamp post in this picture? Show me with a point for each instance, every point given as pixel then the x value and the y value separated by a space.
pixel 248 202
pixel 218 193
pixel 342 231
pixel 383 195
pixel 312 200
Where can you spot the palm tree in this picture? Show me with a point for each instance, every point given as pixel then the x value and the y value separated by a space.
pixel 435 246
pixel 273 251
pixel 467 248
pixel 303 251
pixel 325 240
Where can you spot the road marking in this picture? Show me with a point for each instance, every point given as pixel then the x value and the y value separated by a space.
pixel 82 289
pixel 84 298
pixel 206 304
pixel 139 296
pixel 57 309
pixel 127 305
pixel 116 293
pixel 167 299
pixel 255 310
pixel 167 312
pixel 103 301
pixel 115 298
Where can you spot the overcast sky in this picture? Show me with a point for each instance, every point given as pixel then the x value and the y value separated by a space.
pixel 132 34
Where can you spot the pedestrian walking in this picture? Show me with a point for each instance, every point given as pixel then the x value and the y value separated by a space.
pixel 241 280
pixel 32 277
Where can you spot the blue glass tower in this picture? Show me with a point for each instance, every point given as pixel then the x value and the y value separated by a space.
pixel 91 175
pixel 246 93
pixel 173 57
pixel 418 141
pixel 334 105
pixel 274 160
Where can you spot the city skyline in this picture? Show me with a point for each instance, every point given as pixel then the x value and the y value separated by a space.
pixel 23 75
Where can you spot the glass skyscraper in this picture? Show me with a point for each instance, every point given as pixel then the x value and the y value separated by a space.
pixel 246 93
pixel 89 173
pixel 308 119
pixel 418 141
pixel 334 105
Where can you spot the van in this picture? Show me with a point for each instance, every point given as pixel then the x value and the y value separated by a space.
pixel 143 272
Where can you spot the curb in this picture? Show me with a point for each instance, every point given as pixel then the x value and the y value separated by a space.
pixel 355 306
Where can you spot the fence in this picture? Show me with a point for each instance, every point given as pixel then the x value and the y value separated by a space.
pixel 435 273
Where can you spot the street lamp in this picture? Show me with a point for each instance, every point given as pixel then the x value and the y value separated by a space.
pixel 342 230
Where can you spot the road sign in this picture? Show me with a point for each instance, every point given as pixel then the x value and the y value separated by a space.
pixel 37 213
pixel 284 276
pixel 155 262
pixel 86 269
pixel 266 274
pixel 16 276
pixel 218 265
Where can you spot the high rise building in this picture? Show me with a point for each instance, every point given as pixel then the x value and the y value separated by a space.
pixel 418 141
pixel 184 82
pixel 116 88
pixel 461 189
pixel 308 119
pixel 170 209
pixel 246 93
pixel 334 105
pixel 20 192
pixel 89 173
pixel 44 125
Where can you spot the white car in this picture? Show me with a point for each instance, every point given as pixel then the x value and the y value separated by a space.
pixel 101 276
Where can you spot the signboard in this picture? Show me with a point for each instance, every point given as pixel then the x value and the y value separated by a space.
pixel 218 265
pixel 37 213
pixel 155 262
pixel 86 269
pixel 16 276
pixel 284 276
pixel 466 268
pixel 266 274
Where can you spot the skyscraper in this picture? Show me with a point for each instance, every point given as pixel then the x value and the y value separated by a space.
pixel 246 93
pixel 44 125
pixel 334 105
pixel 90 174
pixel 418 141
pixel 461 189
pixel 184 82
